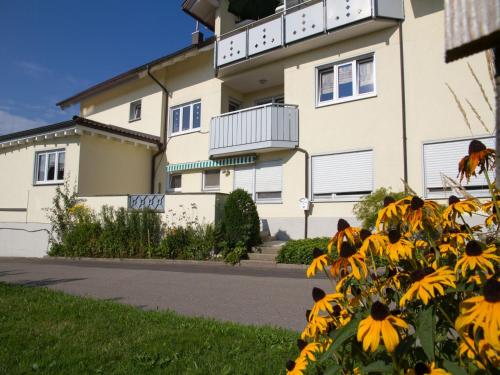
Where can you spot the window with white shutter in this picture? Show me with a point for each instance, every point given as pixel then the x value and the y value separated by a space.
pixel 442 159
pixel 244 179
pixel 268 181
pixel 343 176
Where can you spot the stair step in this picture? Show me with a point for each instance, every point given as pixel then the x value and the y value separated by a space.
pixel 265 257
pixel 267 250
pixel 272 244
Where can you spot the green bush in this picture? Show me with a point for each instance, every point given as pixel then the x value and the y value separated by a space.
pixel 192 242
pixel 240 220
pixel 300 251
pixel 367 209
pixel 235 255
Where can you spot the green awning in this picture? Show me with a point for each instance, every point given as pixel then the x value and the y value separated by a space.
pixel 204 164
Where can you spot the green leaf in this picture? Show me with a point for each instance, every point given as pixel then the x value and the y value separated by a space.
pixel 425 330
pixel 334 370
pixel 454 368
pixel 340 336
pixel 379 367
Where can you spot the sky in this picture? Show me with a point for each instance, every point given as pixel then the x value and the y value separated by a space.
pixel 53 49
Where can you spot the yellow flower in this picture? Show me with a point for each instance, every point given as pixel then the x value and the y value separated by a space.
pixel 421 211
pixel 483 312
pixel 348 256
pixel 479 156
pixel 422 368
pixel 319 262
pixel 426 282
pixel 380 323
pixel 456 208
pixel 307 350
pixel 475 256
pixel 315 325
pixel 296 367
pixel 323 301
pixel 489 208
pixel 398 247
pixel 344 231
pixel 391 210
pixel 374 242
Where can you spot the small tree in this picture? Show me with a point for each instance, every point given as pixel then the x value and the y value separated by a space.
pixel 367 209
pixel 241 221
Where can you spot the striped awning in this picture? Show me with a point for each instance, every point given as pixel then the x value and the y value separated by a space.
pixel 226 162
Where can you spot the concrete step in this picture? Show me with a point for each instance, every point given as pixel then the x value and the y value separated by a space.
pixel 262 257
pixel 272 244
pixel 270 247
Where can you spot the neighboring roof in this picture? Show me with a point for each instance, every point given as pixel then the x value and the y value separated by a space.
pixel 202 10
pixel 129 75
pixel 77 120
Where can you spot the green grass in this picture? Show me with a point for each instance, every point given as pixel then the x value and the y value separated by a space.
pixel 47 332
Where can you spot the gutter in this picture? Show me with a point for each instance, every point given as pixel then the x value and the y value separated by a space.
pixel 306 188
pixel 403 106
pixel 163 144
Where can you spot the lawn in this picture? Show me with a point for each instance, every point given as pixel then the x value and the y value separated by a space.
pixel 47 332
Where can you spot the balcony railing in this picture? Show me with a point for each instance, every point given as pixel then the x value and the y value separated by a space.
pixel 155 202
pixel 299 22
pixel 261 128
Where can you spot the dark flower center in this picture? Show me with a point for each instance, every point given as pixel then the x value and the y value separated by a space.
pixel 342 225
pixel 421 369
pixel 392 272
pixel 379 311
pixel 331 327
pixel 394 236
pixel 356 291
pixel 364 234
pixel 476 146
pixel 463 228
pixel 473 249
pixel 388 200
pixel 347 250
pixel 318 294
pixel 301 344
pixel 453 199
pixel 336 310
pixel 491 290
pixel 290 365
pixel 421 273
pixel 317 253
pixel 308 314
pixel 416 203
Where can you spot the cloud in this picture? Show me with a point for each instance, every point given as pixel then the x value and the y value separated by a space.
pixel 10 123
pixel 32 68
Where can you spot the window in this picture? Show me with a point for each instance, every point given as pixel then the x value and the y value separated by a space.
pixel 346 81
pixel 186 118
pixel 233 105
pixel 279 99
pixel 263 182
pixel 49 167
pixel 441 159
pixel 175 182
pixel 332 177
pixel 135 111
pixel 211 180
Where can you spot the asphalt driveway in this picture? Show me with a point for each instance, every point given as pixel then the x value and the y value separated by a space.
pixel 249 295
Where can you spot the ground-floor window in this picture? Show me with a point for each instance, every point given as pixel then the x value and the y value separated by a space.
pixel 441 159
pixel 175 182
pixel 264 182
pixel 211 180
pixel 342 176
pixel 49 167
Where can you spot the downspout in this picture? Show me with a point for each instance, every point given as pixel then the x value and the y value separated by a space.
pixel 403 104
pixel 306 188
pixel 163 144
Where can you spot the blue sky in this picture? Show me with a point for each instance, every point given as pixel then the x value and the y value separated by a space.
pixel 52 49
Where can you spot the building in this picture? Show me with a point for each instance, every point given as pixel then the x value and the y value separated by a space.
pixel 324 100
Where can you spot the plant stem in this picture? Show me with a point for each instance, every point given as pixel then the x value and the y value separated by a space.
pixel 493 198
pixel 395 362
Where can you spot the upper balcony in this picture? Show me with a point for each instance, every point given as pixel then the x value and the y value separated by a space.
pixel 262 128
pixel 320 21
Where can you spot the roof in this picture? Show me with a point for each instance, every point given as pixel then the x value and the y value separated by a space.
pixel 202 11
pixel 80 121
pixel 129 75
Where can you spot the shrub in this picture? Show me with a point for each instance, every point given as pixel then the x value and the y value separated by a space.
pixel 235 255
pixel 241 220
pixel 367 209
pixel 193 242
pixel 300 251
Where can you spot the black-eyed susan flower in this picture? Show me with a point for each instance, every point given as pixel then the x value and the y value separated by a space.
pixel 427 282
pixel 315 325
pixel 479 156
pixel 420 212
pixel 380 323
pixel 422 369
pixel 323 301
pixel 489 208
pixel 319 262
pixel 477 255
pixel 457 207
pixel 458 237
pixel 374 242
pixel 296 367
pixel 344 231
pixel 398 246
pixel 392 210
pixel 483 312
pixel 349 256
pixel 307 349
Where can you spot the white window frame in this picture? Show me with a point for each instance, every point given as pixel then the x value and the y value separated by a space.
pixel 355 89
pixel 205 188
pixel 254 192
pixel 191 120
pixel 343 197
pixel 133 106
pixel 169 187
pixel 45 181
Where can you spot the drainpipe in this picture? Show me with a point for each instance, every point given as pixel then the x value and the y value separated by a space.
pixel 403 104
pixel 163 143
pixel 306 187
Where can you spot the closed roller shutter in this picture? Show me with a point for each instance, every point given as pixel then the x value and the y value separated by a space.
pixel 268 176
pixel 244 179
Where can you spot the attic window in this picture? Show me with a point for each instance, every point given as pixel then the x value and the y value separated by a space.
pixel 135 110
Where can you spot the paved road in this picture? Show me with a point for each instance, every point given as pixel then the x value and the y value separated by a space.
pixel 274 296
